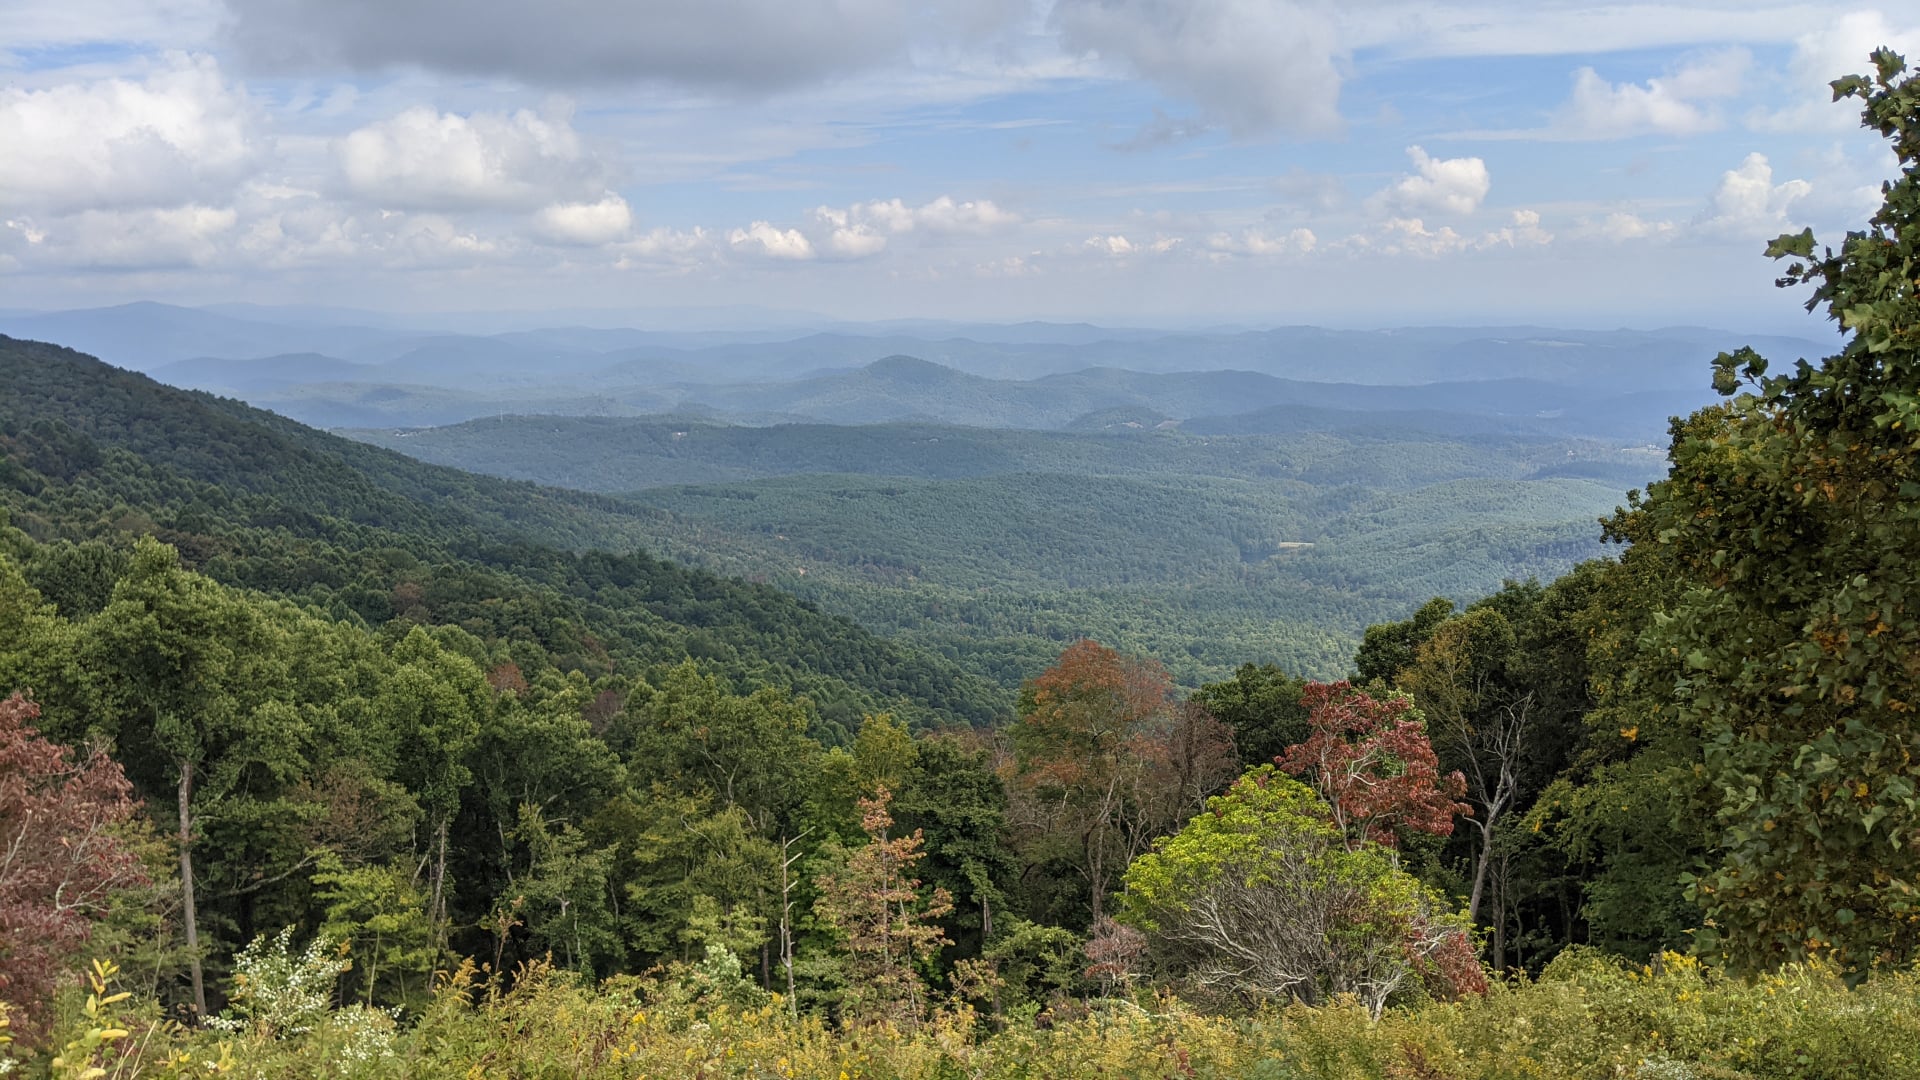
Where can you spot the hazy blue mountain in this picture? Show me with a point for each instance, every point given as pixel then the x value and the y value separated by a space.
pixel 242 378
pixel 146 335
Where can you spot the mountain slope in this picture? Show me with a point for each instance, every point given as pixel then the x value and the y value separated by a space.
pixel 263 502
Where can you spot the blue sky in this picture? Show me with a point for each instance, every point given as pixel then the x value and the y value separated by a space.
pixel 1128 161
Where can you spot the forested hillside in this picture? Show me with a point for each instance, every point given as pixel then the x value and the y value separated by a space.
pixel 95 453
pixel 997 546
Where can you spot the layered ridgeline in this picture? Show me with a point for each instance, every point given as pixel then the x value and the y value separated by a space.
pixel 554 580
pixel 342 369
pixel 996 546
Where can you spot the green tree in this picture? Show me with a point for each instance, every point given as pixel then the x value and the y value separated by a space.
pixel 434 701
pixel 1261 704
pixel 185 673
pixel 1264 895
pixel 382 916
pixel 1792 515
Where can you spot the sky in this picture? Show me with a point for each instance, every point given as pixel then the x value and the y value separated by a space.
pixel 1142 162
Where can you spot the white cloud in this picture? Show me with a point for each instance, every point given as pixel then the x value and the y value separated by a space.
pixel 1675 104
pixel 1259 242
pixel 1522 230
pixel 1622 226
pixel 180 135
pixel 423 159
pixel 856 242
pixel 945 215
pixel 1748 202
pixel 1442 185
pixel 1255 66
pixel 584 223
pixel 665 247
pixel 863 229
pixel 1411 237
pixel 764 239
pixel 1837 47
pixel 137 239
pixel 942 215
pixel 1115 245
pixel 308 232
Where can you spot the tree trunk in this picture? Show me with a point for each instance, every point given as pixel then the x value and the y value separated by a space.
pixel 1500 924
pixel 437 907
pixel 786 918
pixel 1483 864
pixel 186 889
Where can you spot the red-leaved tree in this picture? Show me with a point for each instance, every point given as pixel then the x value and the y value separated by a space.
pixel 1371 760
pixel 63 852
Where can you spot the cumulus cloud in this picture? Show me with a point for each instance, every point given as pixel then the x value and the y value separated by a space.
pixel 181 134
pixel 1673 104
pixel 423 159
pixel 1254 66
pixel 1260 242
pixel 728 45
pixel 1412 237
pixel 584 223
pixel 1521 230
pixel 1621 226
pixel 123 239
pixel 665 247
pixel 1839 47
pixel 768 241
pixel 1438 185
pixel 863 229
pixel 946 215
pixel 1120 246
pixel 1748 202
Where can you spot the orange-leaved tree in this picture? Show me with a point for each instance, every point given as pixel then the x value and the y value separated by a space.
pixel 1105 759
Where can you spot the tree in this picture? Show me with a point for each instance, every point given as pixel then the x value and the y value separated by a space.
pixel 1265 894
pixel 1372 762
pixel 889 928
pixel 1388 648
pixel 1456 680
pixel 1105 760
pixel 185 671
pixel 379 912
pixel 434 701
pixel 951 795
pixel 681 852
pixel 1261 704
pixel 749 751
pixel 1791 515
pixel 62 854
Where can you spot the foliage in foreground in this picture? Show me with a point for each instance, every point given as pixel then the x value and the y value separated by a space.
pixel 1585 1017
